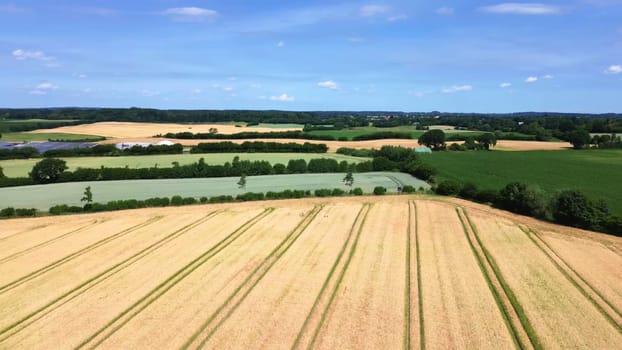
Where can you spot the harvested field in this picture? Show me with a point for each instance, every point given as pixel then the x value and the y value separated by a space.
pixel 128 129
pixel 343 273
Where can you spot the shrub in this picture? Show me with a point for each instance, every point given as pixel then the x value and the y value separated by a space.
pixel 7 212
pixel 575 209
pixel 468 191
pixel 203 199
pixel 188 201
pixel 338 192
pixel 517 197
pixel 379 190
pixel 177 200
pixel 424 172
pixel 409 189
pixel 23 212
pixel 448 188
pixel 322 192
pixel 487 196
pixel 357 191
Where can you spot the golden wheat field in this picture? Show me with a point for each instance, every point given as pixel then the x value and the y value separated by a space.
pixel 389 272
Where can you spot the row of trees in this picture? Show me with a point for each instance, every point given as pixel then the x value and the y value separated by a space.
pixel 436 140
pixel 248 135
pixel 96 151
pixel 258 146
pixel 568 207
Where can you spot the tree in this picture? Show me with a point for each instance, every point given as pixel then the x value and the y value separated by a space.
pixel 88 196
pixel 348 179
pixel 573 208
pixel 434 139
pixel 579 138
pixel 48 170
pixel 519 198
pixel 487 140
pixel 379 190
pixel 242 182
pixel 2 176
pixel 213 131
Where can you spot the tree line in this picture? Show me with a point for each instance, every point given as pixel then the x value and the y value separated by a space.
pixel 258 147
pixel 186 135
pixel 95 151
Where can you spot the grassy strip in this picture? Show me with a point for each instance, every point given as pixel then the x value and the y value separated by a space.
pixel 419 285
pixel 531 333
pixel 249 284
pixel 407 286
pixel 505 313
pixel 339 280
pixel 12 256
pixel 328 278
pixel 128 314
pixel 74 255
pixel 576 284
pixel 85 286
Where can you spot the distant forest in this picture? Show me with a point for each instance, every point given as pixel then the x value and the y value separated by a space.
pixel 542 125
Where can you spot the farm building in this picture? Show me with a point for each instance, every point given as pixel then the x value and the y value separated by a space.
pixel 127 145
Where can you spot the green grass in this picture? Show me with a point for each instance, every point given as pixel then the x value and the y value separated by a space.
pixel 595 172
pixel 26 137
pixel 276 126
pixel 21 167
pixel 358 131
pixel 43 197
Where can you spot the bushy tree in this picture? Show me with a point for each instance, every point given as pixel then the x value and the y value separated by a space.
pixel 487 140
pixel 242 182
pixel 348 179
pixel 379 190
pixel 519 198
pixel 2 176
pixel 448 188
pixel 434 139
pixel 575 209
pixel 48 170
pixel 579 138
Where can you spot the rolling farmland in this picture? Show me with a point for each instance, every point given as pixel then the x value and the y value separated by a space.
pixel 342 273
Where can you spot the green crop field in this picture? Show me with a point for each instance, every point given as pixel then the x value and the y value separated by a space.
pixel 277 126
pixel 21 167
pixel 358 131
pixel 43 197
pixel 595 172
pixel 26 136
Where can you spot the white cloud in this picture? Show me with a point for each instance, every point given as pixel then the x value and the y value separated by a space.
pixel 531 79
pixel 523 8
pixel 190 14
pixel 82 76
pixel 548 76
pixel 505 85
pixel 457 88
pixel 38 92
pixel 88 90
pixel 228 89
pixel 373 10
pixel 47 86
pixel 280 44
pixel 329 84
pixel 150 93
pixel 282 98
pixel 614 69
pixel 20 54
pixel 356 39
pixel 196 91
pixel 445 11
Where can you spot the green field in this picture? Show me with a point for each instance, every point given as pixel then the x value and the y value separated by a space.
pixel 595 172
pixel 43 197
pixel 25 121
pixel 27 137
pixel 277 126
pixel 21 167
pixel 358 131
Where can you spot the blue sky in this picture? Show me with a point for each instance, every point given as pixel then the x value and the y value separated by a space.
pixel 462 56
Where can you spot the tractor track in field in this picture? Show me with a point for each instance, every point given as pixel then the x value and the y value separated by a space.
pixel 315 319
pixel 609 311
pixel 413 318
pixel 209 327
pixel 99 278
pixel 124 317
pixel 66 259
pixel 22 232
pixel 50 241
pixel 518 324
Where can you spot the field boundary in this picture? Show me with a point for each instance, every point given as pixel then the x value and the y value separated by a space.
pixel 612 315
pixel 128 314
pixel 64 260
pixel 99 278
pixel 50 241
pixel 330 287
pixel 248 285
pixel 499 281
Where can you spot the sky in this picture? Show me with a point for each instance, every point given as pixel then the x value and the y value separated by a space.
pixel 415 55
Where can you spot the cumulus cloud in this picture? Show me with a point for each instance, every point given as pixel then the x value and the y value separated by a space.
pixel 329 84
pixel 523 8
pixel 445 11
pixel 190 14
pixel 531 79
pixel 457 88
pixel 282 98
pixel 548 76
pixel 21 55
pixel 280 44
pixel 505 85
pixel 38 92
pixel 614 69
pixel 397 18
pixel 43 89
pixel 373 10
